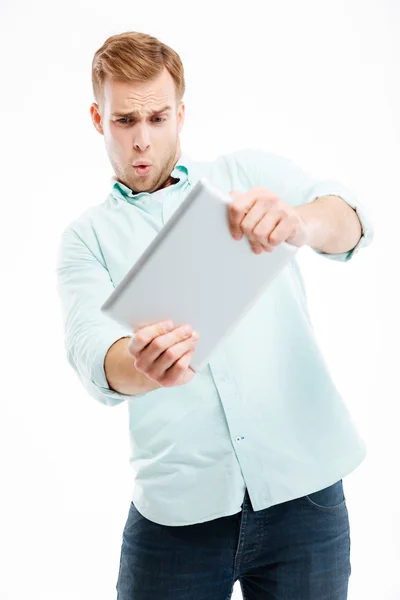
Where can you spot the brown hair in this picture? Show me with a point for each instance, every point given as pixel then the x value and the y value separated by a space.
pixel 136 56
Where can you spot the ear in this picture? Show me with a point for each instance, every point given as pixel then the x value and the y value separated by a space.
pixel 96 117
pixel 181 116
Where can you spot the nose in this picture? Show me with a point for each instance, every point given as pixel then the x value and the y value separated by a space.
pixel 142 139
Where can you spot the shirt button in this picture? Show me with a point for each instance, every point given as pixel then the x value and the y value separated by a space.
pixel 224 379
pixel 239 438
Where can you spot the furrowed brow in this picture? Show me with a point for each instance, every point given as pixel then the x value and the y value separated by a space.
pixel 133 114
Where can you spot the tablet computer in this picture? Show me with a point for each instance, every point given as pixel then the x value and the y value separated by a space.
pixel 194 272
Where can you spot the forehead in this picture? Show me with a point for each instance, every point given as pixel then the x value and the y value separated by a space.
pixel 139 95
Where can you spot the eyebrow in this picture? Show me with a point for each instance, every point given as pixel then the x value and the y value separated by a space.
pixel 134 113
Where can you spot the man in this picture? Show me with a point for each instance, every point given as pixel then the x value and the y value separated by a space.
pixel 238 468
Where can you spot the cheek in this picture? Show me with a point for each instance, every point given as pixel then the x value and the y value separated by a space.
pixel 119 142
pixel 116 135
pixel 167 129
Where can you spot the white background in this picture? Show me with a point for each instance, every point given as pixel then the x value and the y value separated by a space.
pixel 315 81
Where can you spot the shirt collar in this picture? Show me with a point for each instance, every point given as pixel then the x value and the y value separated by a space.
pixel 182 170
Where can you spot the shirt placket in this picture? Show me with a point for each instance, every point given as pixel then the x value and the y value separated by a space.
pixel 230 398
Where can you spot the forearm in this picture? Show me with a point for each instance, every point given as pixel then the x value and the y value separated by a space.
pixel 121 375
pixel 333 225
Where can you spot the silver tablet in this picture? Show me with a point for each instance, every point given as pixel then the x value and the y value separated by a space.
pixel 195 272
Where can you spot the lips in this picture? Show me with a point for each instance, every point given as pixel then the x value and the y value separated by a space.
pixel 142 169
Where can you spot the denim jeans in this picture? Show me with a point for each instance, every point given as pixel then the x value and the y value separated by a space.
pixel 296 550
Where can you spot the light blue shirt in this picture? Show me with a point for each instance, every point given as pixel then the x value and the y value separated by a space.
pixel 264 413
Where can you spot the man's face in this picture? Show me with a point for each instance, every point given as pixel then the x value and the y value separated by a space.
pixel 150 134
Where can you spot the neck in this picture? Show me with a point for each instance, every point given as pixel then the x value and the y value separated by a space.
pixel 171 181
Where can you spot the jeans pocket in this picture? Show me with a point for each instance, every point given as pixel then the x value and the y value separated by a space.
pixel 134 517
pixel 331 498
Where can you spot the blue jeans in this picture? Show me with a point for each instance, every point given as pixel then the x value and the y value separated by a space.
pixel 297 550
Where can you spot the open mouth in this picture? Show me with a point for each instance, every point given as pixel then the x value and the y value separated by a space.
pixel 142 169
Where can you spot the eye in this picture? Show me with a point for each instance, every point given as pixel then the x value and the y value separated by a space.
pixel 126 120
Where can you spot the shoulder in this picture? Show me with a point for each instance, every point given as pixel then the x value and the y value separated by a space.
pixel 252 161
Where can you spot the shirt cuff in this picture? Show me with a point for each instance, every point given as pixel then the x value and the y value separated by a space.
pixel 94 377
pixel 367 232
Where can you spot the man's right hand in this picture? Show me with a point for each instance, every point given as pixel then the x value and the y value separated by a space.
pixel 163 352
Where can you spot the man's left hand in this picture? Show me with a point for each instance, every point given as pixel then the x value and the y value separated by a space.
pixel 265 220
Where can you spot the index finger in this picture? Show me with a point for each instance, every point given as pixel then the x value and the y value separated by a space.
pixel 145 332
pixel 237 210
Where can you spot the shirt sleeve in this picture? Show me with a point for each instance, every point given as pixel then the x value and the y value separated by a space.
pixel 296 187
pixel 83 284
